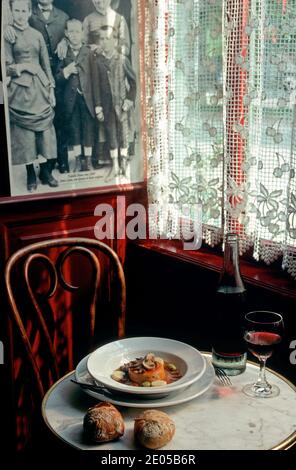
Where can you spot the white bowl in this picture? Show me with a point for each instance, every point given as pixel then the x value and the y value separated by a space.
pixel 104 360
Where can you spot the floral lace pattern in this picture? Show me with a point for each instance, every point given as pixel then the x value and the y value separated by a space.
pixel 221 107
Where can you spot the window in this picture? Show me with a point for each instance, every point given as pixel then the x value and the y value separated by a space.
pixel 222 118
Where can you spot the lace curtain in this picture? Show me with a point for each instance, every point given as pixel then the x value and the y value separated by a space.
pixel 221 116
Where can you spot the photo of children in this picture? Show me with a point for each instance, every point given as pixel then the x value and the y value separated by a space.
pixel 71 80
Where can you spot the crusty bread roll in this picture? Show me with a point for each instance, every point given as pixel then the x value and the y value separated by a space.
pixel 154 429
pixel 103 423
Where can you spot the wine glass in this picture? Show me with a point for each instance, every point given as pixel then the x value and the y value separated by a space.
pixel 263 331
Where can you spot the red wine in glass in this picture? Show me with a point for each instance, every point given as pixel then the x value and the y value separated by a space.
pixel 263 332
pixel 262 343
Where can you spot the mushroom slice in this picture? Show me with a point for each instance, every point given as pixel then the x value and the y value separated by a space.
pixel 149 361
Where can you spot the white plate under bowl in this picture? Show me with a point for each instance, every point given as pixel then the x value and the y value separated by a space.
pixel 104 360
pixel 193 391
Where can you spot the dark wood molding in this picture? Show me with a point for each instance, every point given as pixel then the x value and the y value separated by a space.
pixel 253 273
pixel 65 207
pixel 70 195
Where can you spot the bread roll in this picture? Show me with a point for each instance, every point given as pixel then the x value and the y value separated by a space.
pixel 154 429
pixel 103 423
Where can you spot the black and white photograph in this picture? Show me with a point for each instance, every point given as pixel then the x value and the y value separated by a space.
pixel 71 82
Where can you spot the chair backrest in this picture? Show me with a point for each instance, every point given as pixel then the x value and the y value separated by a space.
pixel 53 256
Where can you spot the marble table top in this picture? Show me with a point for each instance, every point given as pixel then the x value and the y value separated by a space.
pixel 223 418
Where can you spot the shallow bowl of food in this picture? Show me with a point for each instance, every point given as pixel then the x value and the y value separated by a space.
pixel 146 366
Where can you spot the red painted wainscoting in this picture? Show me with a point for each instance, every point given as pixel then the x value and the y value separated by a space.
pixel 23 222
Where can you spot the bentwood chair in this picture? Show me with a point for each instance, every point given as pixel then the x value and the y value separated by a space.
pixel 57 317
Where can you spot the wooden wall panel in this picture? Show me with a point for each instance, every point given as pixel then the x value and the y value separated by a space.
pixel 25 222
pixel 28 222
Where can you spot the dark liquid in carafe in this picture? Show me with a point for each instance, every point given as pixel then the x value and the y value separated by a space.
pixel 228 338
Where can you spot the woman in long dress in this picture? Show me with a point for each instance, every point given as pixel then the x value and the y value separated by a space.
pixel 30 98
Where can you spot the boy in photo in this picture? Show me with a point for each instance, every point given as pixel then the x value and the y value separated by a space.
pixel 74 85
pixel 114 97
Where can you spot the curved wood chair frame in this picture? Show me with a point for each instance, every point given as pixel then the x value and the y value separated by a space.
pixel 31 253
